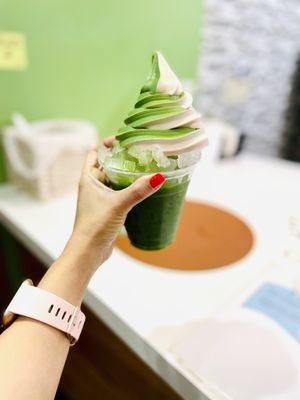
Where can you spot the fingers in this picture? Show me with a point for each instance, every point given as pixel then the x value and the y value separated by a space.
pixel 92 156
pixel 140 190
pixel 90 167
pixel 108 142
pixel 91 161
pixel 98 174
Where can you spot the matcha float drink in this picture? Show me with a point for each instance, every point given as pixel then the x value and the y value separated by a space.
pixel 163 133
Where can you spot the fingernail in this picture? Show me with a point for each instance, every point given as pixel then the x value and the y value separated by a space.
pixel 156 180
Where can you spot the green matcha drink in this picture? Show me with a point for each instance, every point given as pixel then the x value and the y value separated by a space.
pixel 152 224
pixel 163 133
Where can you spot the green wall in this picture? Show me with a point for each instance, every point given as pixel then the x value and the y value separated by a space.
pixel 88 58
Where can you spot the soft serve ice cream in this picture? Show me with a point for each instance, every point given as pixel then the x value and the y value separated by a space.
pixel 161 128
pixel 162 133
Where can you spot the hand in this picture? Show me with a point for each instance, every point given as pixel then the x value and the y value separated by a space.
pixel 101 211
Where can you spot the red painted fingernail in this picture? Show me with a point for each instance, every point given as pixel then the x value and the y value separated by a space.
pixel 156 180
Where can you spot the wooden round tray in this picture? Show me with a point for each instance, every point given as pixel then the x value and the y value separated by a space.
pixel 208 237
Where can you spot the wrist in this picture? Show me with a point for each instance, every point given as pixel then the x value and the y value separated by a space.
pixel 70 274
pixel 84 251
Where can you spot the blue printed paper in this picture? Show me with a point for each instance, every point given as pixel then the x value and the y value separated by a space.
pixel 280 304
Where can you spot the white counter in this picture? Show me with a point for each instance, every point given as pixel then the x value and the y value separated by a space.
pixel 131 297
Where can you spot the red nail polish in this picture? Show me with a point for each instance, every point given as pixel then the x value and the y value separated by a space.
pixel 156 180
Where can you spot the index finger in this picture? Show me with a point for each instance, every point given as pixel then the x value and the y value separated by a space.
pixel 108 142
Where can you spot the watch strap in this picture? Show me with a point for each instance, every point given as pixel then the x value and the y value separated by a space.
pixel 41 305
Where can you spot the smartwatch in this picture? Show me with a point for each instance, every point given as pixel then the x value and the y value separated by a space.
pixel 46 307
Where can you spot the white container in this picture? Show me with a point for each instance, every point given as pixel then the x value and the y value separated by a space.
pixel 45 158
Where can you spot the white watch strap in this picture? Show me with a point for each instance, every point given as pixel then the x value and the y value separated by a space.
pixel 46 307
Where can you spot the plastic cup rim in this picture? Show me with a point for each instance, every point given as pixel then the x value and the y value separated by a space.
pixel 167 174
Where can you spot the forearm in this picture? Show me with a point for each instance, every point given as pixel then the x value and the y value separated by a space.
pixel 32 358
pixel 33 354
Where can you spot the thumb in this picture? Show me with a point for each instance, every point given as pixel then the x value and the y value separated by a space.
pixel 140 190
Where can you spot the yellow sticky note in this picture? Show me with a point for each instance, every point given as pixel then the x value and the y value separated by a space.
pixel 13 53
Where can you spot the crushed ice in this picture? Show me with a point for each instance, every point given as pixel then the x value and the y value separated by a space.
pixel 188 159
pixel 139 159
pixel 144 157
pixel 161 159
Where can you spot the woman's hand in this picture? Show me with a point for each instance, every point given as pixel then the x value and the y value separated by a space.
pixel 101 211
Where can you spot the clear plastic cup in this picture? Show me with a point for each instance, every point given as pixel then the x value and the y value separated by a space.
pixel 152 224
